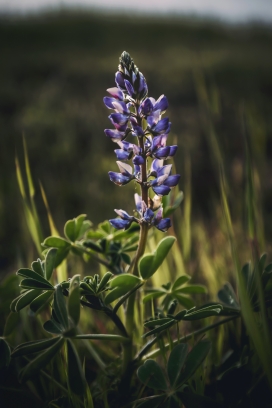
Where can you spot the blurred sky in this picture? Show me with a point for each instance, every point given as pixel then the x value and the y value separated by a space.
pixel 231 10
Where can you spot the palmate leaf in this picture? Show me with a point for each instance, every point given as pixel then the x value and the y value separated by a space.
pixel 53 327
pixel 151 374
pixel 76 378
pixel 40 361
pixel 33 347
pixel 50 261
pixel 180 281
pixel 30 274
pixel 203 312
pixel 153 295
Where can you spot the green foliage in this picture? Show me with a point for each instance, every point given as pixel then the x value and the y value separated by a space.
pixel 120 285
pixel 150 263
pixel 180 368
pixel 175 292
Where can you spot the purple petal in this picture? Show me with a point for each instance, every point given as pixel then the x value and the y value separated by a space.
pixel 161 190
pixel 125 169
pixel 148 215
pixel 173 150
pixel 158 216
pixel 116 93
pixel 156 164
pixel 164 224
pixel 124 215
pixel 108 102
pixel 118 223
pixel 115 135
pixel 146 107
pixel 119 121
pixel 153 119
pixel 142 89
pixel 161 104
pixel 172 181
pixel 119 79
pixel 120 107
pixel 138 160
pixel 119 179
pixel 162 126
pixel 122 154
pixel 129 88
pixel 165 170
pixel 138 202
pixel 162 152
pixel 128 147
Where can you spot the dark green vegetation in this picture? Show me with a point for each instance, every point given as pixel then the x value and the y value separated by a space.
pixel 54 72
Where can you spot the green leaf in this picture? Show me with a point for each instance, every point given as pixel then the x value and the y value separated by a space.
pixel 180 281
pixel 149 263
pixel 49 264
pixel 227 296
pixel 60 307
pixel 88 243
pixel 56 242
pixel 79 223
pixel 37 266
pixel 12 322
pixel 70 230
pixel 74 299
pixel 33 347
pixel 29 273
pixel 40 361
pixel 4 354
pixel 193 361
pixel 176 362
pixel 153 295
pixel 151 374
pixel 33 284
pixel 204 312
pixel 170 209
pixel 104 281
pixel 37 304
pixel 76 378
pixel 24 299
pixel 86 225
pixel 51 326
pixel 157 322
pixel 183 300
pixel 126 258
pixel 160 328
pixel 120 285
pixel 192 289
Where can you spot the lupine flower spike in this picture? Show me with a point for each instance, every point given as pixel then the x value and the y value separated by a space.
pixel 140 116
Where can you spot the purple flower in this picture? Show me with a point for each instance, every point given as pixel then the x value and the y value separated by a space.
pixel 124 222
pixel 140 116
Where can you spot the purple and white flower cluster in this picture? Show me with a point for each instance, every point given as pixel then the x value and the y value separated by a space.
pixel 140 116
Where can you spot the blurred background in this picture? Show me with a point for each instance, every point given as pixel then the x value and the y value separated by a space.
pixel 213 61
